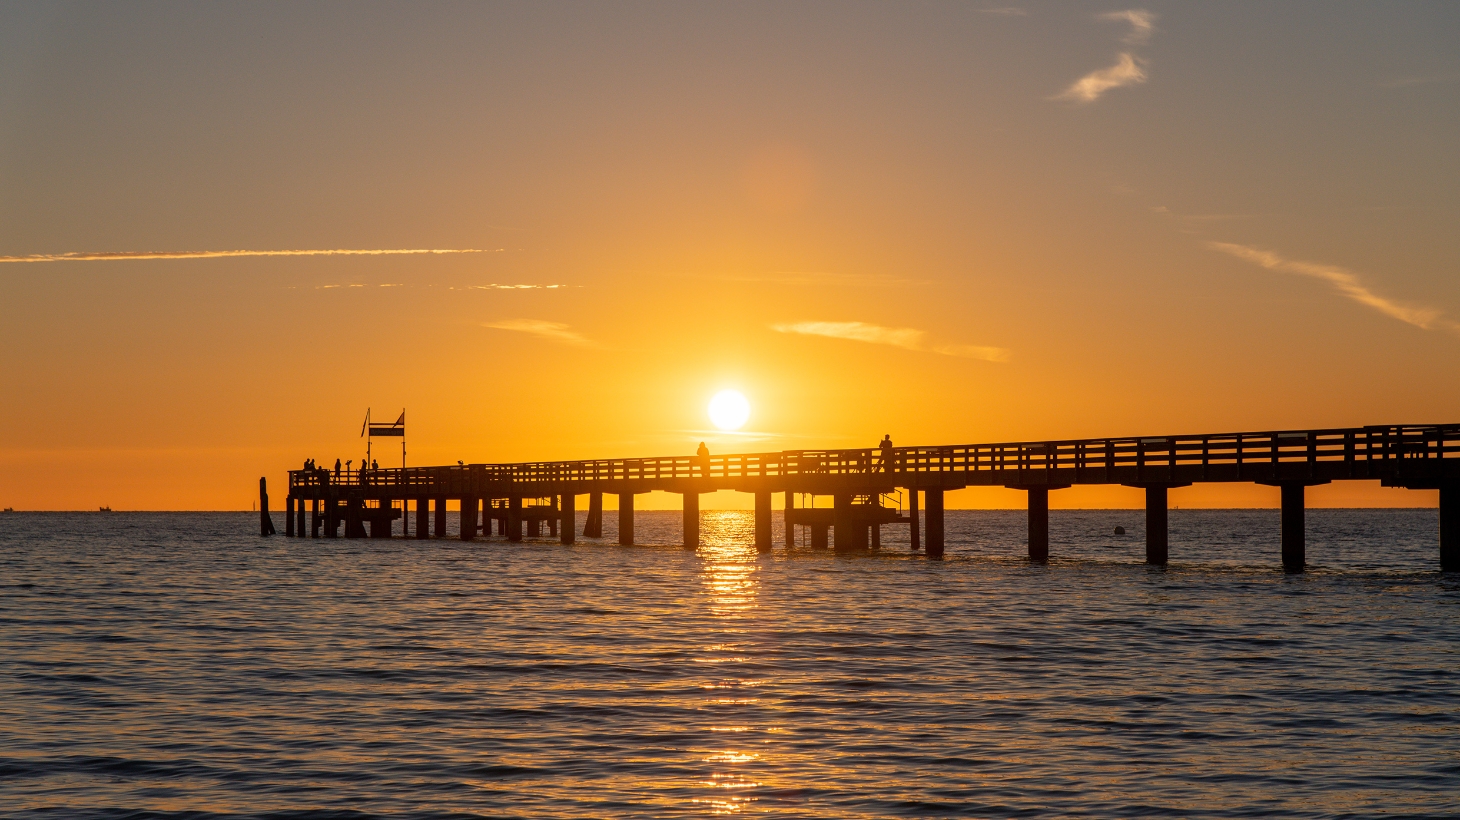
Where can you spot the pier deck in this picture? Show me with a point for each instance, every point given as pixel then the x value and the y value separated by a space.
pixel 1413 456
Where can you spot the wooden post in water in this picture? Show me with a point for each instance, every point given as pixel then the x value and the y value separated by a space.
pixel 849 534
pixel 299 518
pixel 514 518
pixel 314 519
pixel 1450 526
pixel 1038 523
pixel 691 520
pixel 786 517
pixel 439 524
pixel 763 521
pixel 468 518
pixel 289 516
pixel 1293 528
pixel 568 510
pixel 913 525
pixel 423 517
pixel 266 524
pixel 593 524
pixel 934 498
pixel 819 536
pixel 626 519
pixel 1156 543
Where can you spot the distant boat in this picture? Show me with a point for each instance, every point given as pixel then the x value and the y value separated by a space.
pixel 106 509
pixel 10 509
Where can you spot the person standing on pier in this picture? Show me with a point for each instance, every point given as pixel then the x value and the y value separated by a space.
pixel 886 450
pixel 702 455
pixel 337 471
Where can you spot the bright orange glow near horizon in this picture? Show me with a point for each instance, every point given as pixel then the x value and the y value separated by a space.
pixel 555 236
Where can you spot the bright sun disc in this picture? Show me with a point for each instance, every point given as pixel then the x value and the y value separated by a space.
pixel 729 410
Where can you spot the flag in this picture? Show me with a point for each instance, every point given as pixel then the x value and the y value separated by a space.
pixel 367 422
pixel 397 429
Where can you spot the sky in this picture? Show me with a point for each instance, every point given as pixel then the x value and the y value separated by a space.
pixel 947 222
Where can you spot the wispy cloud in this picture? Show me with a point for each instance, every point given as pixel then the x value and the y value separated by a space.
pixel 1344 281
pixel 1126 71
pixel 554 331
pixel 124 255
pixel 495 286
pixel 823 279
pixel 1142 24
pixel 904 337
pixel 1005 11
pixel 1129 69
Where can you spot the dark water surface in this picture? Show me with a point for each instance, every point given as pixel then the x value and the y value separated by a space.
pixel 176 665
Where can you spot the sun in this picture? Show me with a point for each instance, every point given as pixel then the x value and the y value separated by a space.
pixel 729 410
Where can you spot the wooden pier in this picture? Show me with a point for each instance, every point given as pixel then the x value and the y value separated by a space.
pixel 522 498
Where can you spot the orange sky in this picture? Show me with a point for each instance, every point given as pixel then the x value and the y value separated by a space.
pixel 948 223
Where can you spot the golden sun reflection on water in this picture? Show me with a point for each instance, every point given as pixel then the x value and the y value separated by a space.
pixel 729 582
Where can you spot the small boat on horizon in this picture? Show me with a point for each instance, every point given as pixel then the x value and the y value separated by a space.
pixel 106 509
pixel 10 509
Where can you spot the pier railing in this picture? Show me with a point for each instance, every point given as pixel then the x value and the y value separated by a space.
pixel 1357 452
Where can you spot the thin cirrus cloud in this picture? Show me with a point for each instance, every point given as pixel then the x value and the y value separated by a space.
pixel 126 255
pixel 904 337
pixel 552 331
pixel 1129 69
pixel 1344 281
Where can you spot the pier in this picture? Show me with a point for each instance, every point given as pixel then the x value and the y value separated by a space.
pixel 863 485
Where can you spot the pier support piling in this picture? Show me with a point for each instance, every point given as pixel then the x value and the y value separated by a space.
pixel 786 515
pixel 913 525
pixel 1293 528
pixel 423 517
pixel 691 520
pixel 314 518
pixel 1156 539
pixel 1450 527
pixel 468 518
pixel 568 510
pixel 850 535
pixel 438 524
pixel 1039 524
pixel 626 519
pixel 289 517
pixel 763 521
pixel 514 518
pixel 934 498
pixel 298 522
pixel 819 536
pixel 266 524
pixel 593 526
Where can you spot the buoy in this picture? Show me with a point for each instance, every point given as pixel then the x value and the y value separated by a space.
pixel 1120 530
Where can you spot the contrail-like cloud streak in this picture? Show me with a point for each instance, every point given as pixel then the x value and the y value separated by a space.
pixel 1344 281
pixel 114 256
pixel 554 331
pixel 906 338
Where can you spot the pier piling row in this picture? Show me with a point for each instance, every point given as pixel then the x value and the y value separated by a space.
pixel 1412 456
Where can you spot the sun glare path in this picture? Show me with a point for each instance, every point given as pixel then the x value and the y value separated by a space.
pixel 729 410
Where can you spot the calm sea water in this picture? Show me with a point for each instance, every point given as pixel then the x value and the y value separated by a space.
pixel 176 665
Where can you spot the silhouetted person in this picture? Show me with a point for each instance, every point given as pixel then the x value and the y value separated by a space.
pixel 337 469
pixel 702 455
pixel 374 465
pixel 886 448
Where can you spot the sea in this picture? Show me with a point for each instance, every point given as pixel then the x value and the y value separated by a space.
pixel 159 665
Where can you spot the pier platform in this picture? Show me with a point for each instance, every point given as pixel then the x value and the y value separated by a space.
pixel 533 494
